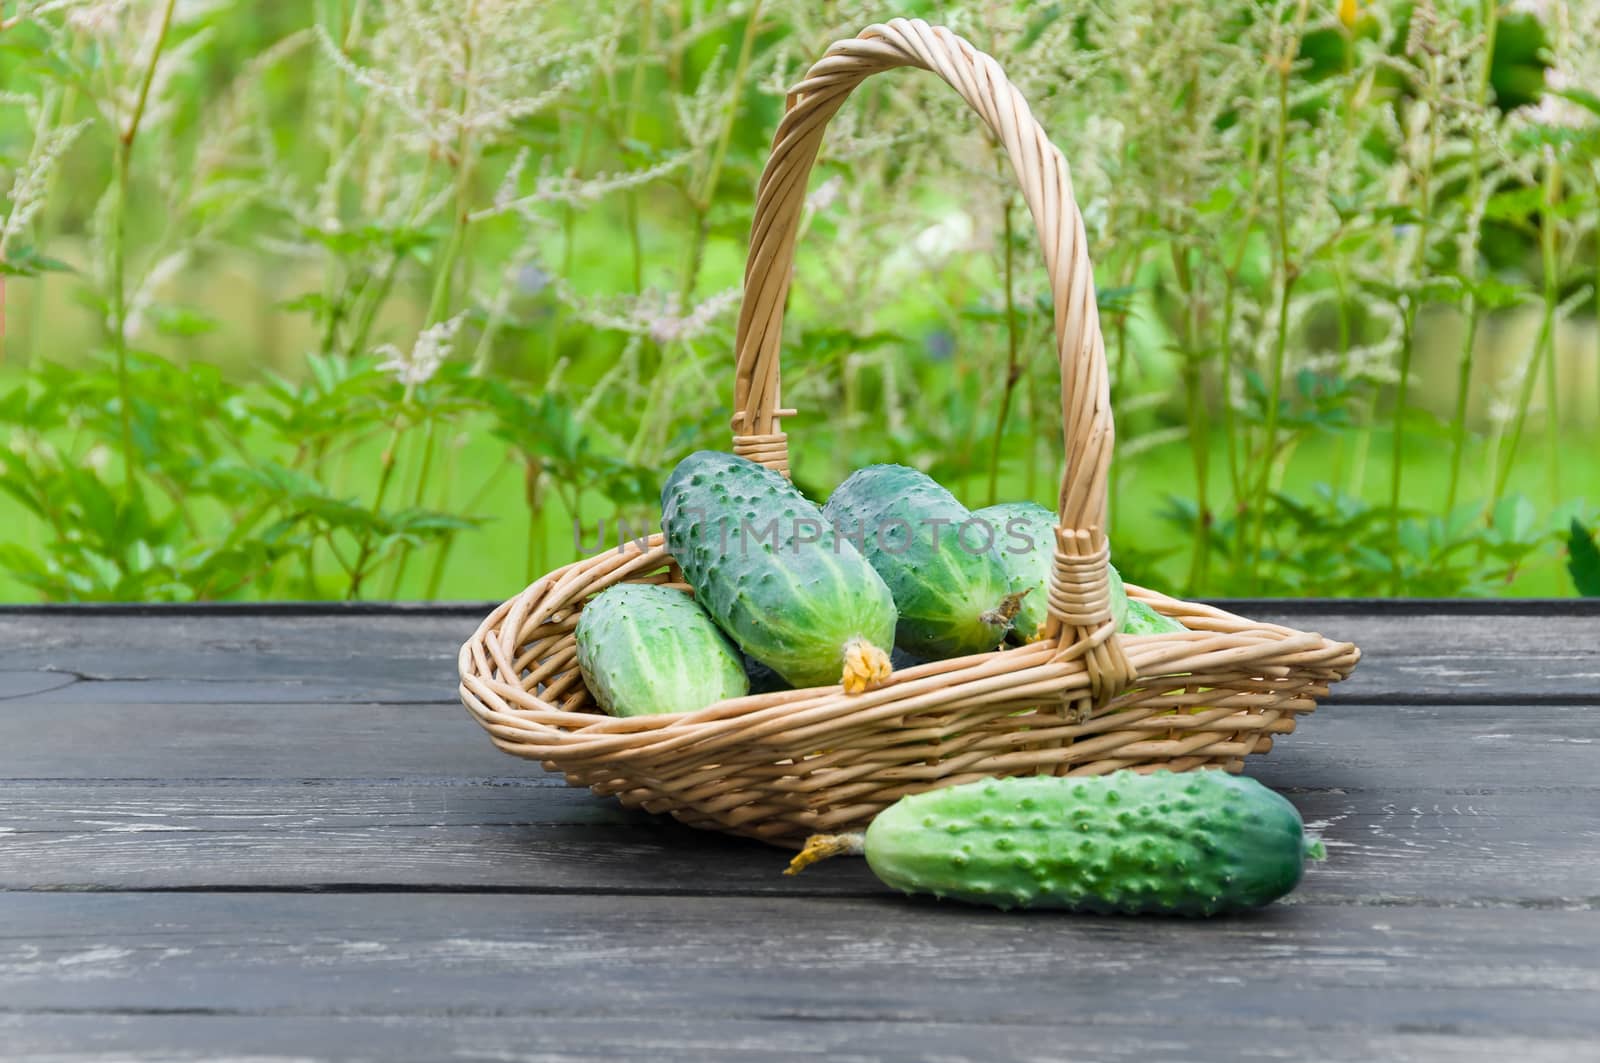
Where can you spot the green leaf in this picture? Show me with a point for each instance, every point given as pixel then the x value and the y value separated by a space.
pixel 1589 101
pixel 1583 560
pixel 182 321
pixel 1513 204
pixel 1494 294
pixel 1513 518
pixel 1047 17
pixel 1116 300
pixel 28 262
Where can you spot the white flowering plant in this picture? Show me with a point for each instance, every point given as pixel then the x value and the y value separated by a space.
pixel 338 298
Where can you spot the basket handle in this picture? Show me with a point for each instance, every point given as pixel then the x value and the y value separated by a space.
pixel 1079 589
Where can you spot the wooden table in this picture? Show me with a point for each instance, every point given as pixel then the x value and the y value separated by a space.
pixel 272 833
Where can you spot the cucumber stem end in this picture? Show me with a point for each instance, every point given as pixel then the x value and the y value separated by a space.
pixel 1003 614
pixel 865 666
pixel 821 847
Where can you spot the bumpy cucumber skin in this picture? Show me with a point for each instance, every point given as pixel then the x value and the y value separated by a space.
pixel 792 605
pixel 1195 844
pixel 941 589
pixel 1143 620
pixel 645 649
pixel 1025 536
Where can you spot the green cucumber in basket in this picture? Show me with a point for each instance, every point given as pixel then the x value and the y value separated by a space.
pixel 1194 844
pixel 646 649
pixel 1143 620
pixel 950 586
pixel 1025 536
pixel 768 568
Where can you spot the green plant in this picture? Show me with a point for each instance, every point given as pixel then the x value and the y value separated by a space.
pixel 1343 251
pixel 224 502
pixel 1583 560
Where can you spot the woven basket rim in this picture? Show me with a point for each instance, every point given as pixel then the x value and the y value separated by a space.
pixel 1150 650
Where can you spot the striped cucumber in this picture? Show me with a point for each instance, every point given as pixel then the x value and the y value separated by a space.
pixel 949 584
pixel 769 569
pixel 646 649
pixel 1025 536
pixel 1200 843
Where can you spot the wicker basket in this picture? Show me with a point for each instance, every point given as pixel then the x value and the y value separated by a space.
pixel 1082 701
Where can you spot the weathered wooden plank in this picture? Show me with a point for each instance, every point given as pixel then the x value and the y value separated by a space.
pixel 1432 652
pixel 1295 972
pixel 1392 846
pixel 84 739
pixel 93 1037
pixel 1363 746
pixel 240 657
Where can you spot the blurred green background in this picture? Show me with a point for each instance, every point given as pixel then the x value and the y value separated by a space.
pixel 339 299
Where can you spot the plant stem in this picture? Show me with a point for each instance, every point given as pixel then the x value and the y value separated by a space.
pixel 1119 389
pixel 439 305
pixel 436 577
pixel 333 304
pixel 1341 283
pixel 1195 409
pixel 358 570
pixel 1458 419
pixel 532 495
pixel 1489 14
pixel 1230 286
pixel 1342 294
pixel 1287 276
pixel 119 291
pixel 1013 369
pixel 1552 300
pixel 1543 347
pixel 416 501
pixel 569 217
pixel 631 128
pixel 1408 329
pixel 701 198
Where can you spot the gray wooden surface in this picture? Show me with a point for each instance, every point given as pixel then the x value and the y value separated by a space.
pixel 273 834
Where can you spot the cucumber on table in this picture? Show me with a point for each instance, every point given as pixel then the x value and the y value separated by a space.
pixel 949 584
pixel 646 649
pixel 769 569
pixel 1198 843
pixel 1025 536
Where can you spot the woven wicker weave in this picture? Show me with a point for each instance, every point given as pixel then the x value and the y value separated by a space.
pixel 1081 701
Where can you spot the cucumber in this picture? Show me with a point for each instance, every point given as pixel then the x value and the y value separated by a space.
pixel 763 680
pixel 646 649
pixel 901 659
pixel 949 584
pixel 769 569
pixel 1201 843
pixel 1025 536
pixel 1143 620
